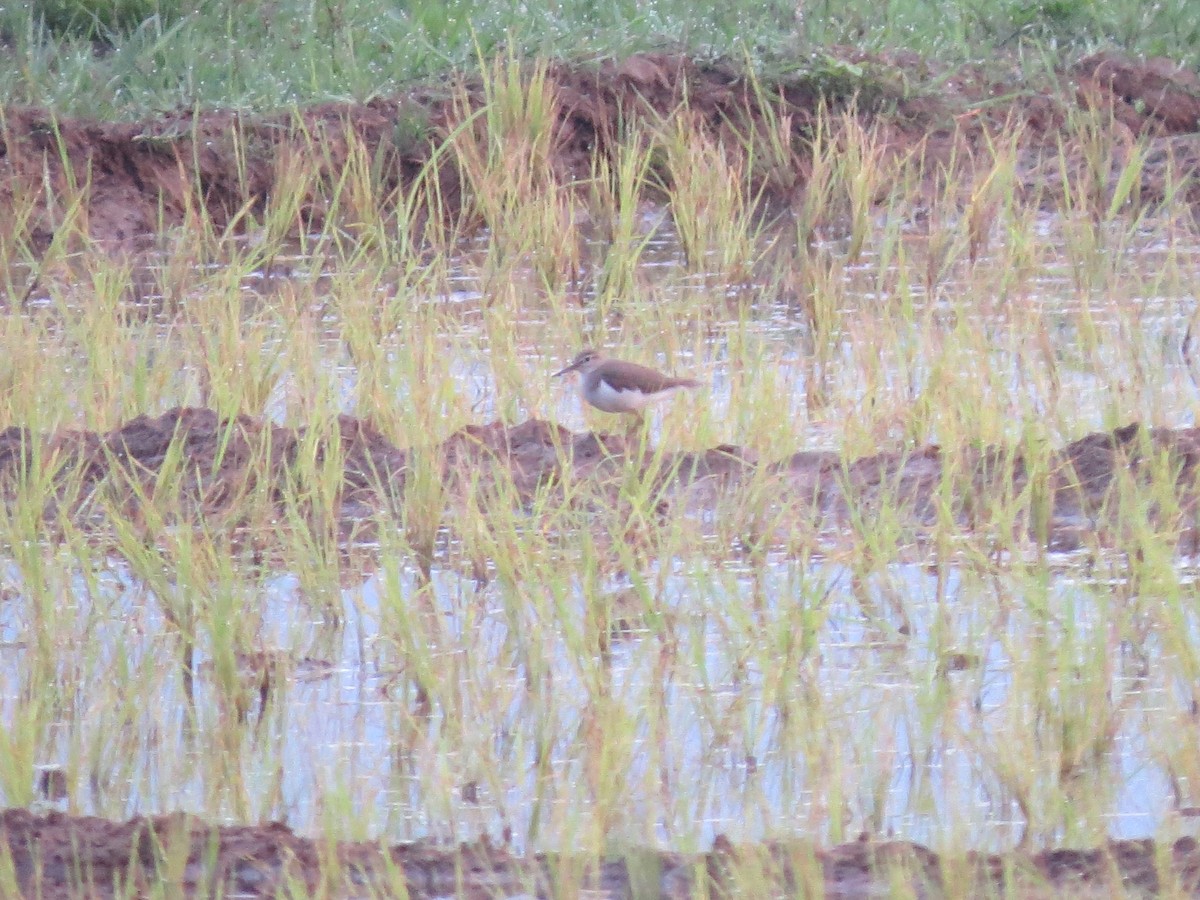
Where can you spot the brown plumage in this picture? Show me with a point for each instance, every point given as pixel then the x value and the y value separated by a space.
pixel 616 386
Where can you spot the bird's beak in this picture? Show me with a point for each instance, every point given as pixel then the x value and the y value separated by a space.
pixel 571 368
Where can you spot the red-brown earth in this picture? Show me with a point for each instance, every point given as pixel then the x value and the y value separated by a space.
pixel 160 173
pixel 224 465
pixel 56 855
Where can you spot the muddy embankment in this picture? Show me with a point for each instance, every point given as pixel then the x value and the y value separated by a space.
pixel 145 176
pixel 1056 497
pixel 69 856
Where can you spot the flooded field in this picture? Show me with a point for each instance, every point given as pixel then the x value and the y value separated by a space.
pixel 946 689
pixel 298 527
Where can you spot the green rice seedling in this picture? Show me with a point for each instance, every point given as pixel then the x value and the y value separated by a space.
pixel 643 498
pixel 1018 256
pixel 116 342
pixel 8 872
pixel 313 391
pixel 945 242
pixel 144 503
pixel 43 691
pixel 1126 193
pixel 429 400
pixel 369 312
pixel 346 193
pixel 768 513
pixel 64 193
pixel 415 646
pixel 818 204
pixel 820 287
pixel 20 744
pixel 712 203
pixel 353 202
pixel 226 633
pixel 19 260
pixel 60 269
pixel 169 868
pixel 443 224
pixel 520 379
pixel 486 518
pixel 860 173
pixel 299 196
pixel 1092 166
pixel 557 252
pixel 618 189
pixel 42 490
pixel 1098 176
pixel 996 194
pixel 503 150
pixel 315 492
pixel 27 361
pixel 236 359
pixel 770 138
pixel 964 214
pixel 424 505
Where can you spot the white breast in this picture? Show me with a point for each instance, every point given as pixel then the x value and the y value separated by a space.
pixel 603 397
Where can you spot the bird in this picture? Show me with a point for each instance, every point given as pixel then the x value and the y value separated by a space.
pixel 616 386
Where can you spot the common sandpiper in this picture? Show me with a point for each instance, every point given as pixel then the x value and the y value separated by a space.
pixel 616 386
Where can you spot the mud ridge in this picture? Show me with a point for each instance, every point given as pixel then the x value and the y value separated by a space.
pixel 190 464
pixel 59 855
pixel 159 173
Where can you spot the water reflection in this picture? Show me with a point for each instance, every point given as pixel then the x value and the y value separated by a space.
pixel 795 699
pixel 791 697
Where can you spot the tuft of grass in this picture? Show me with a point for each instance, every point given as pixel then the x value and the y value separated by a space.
pixel 272 54
pixel 102 21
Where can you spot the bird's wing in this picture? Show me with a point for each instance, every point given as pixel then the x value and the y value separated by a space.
pixel 648 381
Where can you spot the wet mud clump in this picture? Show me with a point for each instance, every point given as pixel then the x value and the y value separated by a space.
pixel 191 465
pixel 57 855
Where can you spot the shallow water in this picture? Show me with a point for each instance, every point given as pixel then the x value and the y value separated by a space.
pixel 891 715
pixel 780 697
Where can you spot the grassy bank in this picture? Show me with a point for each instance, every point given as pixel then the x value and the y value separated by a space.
pixel 267 55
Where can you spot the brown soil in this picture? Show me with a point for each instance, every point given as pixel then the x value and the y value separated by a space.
pixel 58 855
pixel 162 172
pixel 236 473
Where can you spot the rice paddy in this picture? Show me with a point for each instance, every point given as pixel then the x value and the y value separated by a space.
pixel 576 654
